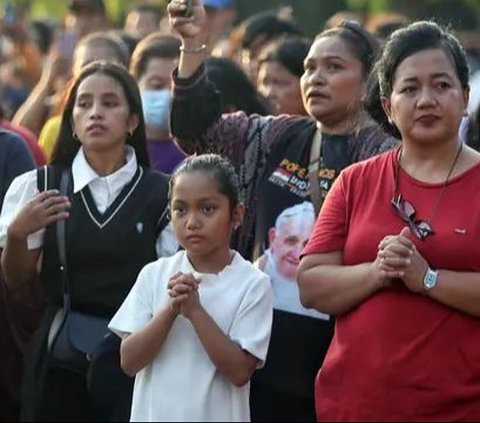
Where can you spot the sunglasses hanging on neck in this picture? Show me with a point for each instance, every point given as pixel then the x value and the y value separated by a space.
pixel 406 211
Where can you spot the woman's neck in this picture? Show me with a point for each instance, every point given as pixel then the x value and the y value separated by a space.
pixel 430 162
pixel 344 126
pixel 105 163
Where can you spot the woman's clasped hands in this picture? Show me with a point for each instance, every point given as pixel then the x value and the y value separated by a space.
pixel 399 259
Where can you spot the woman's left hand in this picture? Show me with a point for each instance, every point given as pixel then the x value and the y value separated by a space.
pixel 396 252
pixel 415 272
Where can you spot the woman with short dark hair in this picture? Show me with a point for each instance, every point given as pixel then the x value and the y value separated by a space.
pixel 395 254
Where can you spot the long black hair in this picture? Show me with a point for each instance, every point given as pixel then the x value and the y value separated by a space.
pixel 67 146
pixel 236 89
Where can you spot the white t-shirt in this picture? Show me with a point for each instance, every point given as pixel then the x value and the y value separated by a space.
pixel 182 383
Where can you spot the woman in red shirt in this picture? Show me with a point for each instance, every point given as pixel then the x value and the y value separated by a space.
pixel 395 253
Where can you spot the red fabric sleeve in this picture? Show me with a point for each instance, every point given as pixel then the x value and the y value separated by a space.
pixel 330 230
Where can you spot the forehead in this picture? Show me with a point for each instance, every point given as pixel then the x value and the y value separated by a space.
pixel 328 46
pixel 88 53
pixel 194 186
pixel 297 224
pixel 159 66
pixel 99 83
pixel 426 63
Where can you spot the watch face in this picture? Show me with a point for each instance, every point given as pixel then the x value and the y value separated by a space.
pixel 429 282
pixel 430 279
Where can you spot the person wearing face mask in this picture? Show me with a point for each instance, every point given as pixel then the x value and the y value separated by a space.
pixel 156 105
pixel 152 64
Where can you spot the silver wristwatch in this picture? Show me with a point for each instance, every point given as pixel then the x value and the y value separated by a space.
pixel 430 279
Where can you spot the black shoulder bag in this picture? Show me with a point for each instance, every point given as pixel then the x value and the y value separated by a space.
pixel 83 344
pixel 73 335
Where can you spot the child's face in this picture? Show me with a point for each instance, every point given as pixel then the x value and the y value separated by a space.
pixel 201 216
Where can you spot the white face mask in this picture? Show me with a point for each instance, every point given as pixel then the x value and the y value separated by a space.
pixel 156 108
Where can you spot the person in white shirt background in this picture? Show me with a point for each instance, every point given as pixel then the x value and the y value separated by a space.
pixel 112 215
pixel 196 325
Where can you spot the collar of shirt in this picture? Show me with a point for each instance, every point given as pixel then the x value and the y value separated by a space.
pixel 104 189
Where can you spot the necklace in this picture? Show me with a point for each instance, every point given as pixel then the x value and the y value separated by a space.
pixel 405 209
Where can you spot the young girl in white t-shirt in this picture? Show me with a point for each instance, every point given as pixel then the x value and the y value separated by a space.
pixel 196 325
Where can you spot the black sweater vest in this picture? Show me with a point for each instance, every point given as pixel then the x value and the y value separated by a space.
pixel 106 252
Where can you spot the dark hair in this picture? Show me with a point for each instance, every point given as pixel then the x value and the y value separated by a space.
pixel 156 45
pixel 234 86
pixel 129 40
pixel 363 45
pixel 403 43
pixel 42 33
pixel 67 146
pixel 290 52
pixel 383 24
pixel 216 167
pixel 343 15
pixel 77 6
pixel 267 24
pixel 414 38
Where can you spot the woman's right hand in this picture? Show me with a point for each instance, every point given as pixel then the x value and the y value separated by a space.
pixel 189 28
pixel 45 208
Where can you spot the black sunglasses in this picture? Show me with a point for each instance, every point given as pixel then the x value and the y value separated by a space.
pixel 406 211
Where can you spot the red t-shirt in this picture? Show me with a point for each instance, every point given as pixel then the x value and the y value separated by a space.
pixel 400 356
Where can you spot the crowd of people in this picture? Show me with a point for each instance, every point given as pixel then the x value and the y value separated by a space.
pixel 206 220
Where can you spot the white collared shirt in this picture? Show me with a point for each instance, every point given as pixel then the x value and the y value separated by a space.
pixel 104 190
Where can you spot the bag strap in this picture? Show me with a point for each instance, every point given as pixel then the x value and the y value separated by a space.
pixel 42 178
pixel 62 249
pixel 313 169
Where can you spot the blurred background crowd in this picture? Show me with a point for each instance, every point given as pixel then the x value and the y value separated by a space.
pixel 40 49
pixel 39 37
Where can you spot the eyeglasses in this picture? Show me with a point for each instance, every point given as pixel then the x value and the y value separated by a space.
pixel 406 211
